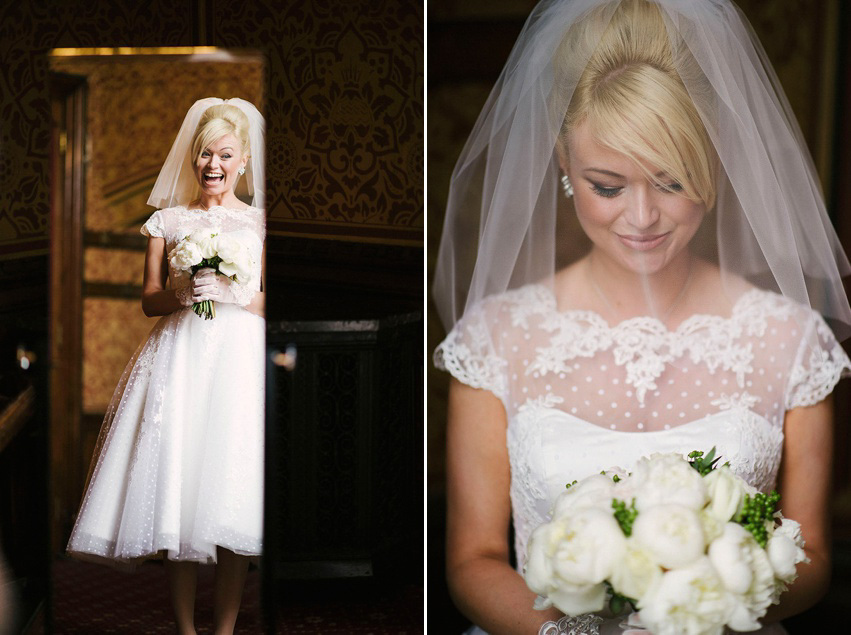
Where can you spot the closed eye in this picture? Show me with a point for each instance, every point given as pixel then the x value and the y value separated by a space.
pixel 670 188
pixel 605 192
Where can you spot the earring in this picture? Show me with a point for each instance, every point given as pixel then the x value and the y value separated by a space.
pixel 241 171
pixel 568 188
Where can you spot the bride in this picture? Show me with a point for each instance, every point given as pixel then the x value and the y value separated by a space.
pixel 178 472
pixel 699 305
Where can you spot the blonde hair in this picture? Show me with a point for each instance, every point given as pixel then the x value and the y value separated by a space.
pixel 632 96
pixel 215 123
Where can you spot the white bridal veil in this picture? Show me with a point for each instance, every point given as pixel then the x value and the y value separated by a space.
pixel 176 183
pixel 768 225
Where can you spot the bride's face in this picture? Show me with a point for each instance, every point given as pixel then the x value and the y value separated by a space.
pixel 217 168
pixel 631 219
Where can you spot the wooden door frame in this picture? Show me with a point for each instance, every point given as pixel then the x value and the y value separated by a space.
pixel 67 209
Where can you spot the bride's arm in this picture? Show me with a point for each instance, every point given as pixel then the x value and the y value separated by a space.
pixel 482 582
pixel 804 487
pixel 156 299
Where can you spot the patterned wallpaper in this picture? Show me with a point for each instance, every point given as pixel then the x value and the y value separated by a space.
pixel 344 105
pixel 345 114
pixel 28 30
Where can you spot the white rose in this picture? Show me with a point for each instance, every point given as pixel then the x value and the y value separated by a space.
pixel 239 265
pixel 206 241
pixel 712 527
pixel 726 493
pixel 590 546
pixel 636 572
pixel 208 246
pixel 538 570
pixel 727 556
pixel 578 600
pixel 185 255
pixel 665 479
pixel 785 549
pixel 688 601
pixel 671 533
pixel 744 570
pixel 569 558
pixel 596 491
pixel 236 258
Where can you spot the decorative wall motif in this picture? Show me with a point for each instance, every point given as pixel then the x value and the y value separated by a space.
pixel 28 30
pixel 345 114
pixel 359 64
pixel 340 449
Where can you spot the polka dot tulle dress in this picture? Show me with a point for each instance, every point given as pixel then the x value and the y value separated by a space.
pixel 179 465
pixel 582 395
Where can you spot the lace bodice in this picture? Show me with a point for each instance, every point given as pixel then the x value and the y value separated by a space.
pixel 581 395
pixel 175 223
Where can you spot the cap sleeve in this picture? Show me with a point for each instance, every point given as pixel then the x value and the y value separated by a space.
pixel 819 365
pixel 154 226
pixel 468 354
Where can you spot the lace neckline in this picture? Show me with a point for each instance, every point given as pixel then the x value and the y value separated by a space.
pixel 739 309
pixel 214 208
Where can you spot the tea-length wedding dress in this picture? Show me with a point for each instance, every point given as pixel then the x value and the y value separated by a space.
pixel 180 460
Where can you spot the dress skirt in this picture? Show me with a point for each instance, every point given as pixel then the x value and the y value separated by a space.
pixel 179 462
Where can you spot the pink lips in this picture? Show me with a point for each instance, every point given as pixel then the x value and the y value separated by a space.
pixel 643 243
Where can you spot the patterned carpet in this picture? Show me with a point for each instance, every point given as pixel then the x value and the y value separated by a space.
pixel 92 599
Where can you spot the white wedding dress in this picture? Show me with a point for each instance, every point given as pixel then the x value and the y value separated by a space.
pixel 180 460
pixel 582 396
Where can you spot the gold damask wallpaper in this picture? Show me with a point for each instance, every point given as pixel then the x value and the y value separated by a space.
pixel 347 140
pixel 344 88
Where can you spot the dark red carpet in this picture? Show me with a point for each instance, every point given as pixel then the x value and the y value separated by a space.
pixel 92 599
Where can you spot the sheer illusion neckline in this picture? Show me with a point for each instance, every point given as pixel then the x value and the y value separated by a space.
pixel 594 318
pixel 220 207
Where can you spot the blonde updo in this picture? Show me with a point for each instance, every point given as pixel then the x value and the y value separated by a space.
pixel 632 96
pixel 216 122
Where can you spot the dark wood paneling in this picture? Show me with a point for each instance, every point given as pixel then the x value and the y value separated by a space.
pixel 344 490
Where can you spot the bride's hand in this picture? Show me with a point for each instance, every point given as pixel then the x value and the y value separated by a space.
pixel 199 285
pixel 217 287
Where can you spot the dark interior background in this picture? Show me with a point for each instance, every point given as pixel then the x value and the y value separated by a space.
pixel 342 92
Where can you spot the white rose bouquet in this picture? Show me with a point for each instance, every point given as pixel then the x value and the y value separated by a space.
pixel 226 253
pixel 687 543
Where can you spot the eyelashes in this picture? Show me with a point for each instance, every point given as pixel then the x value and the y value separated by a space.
pixel 611 192
pixel 605 192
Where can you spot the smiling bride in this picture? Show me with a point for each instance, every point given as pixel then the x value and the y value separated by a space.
pixel 700 307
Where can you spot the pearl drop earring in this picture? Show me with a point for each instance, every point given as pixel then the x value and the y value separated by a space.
pixel 568 188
